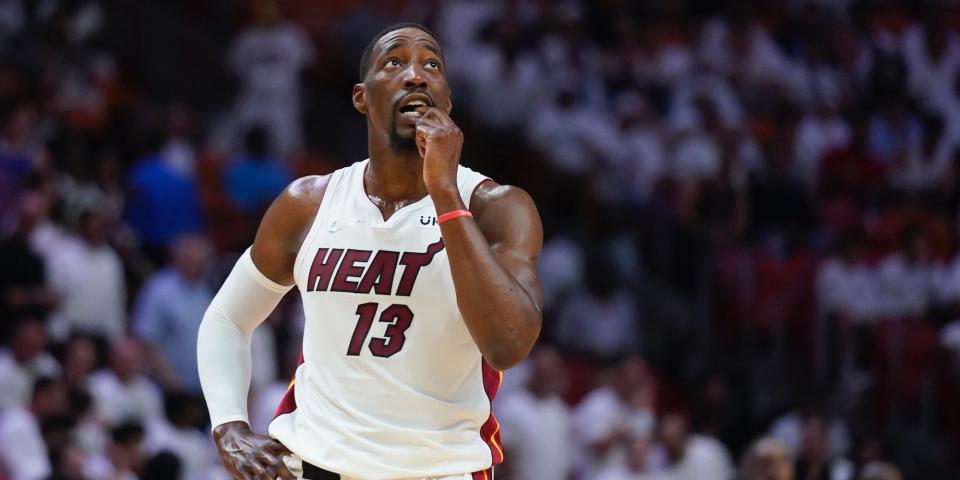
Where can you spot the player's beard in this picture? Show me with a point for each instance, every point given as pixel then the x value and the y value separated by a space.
pixel 401 145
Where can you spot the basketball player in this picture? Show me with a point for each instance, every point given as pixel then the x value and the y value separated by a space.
pixel 419 285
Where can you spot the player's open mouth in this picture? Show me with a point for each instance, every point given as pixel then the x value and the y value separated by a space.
pixel 414 109
pixel 414 106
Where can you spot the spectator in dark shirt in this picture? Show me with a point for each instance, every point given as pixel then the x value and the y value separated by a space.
pixel 23 286
pixel 814 461
pixel 20 155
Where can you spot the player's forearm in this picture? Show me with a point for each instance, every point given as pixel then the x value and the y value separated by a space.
pixel 501 316
pixel 225 365
pixel 223 344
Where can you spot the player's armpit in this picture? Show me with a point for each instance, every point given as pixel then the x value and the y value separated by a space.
pixel 284 226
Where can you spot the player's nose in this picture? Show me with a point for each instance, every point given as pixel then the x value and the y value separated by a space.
pixel 414 78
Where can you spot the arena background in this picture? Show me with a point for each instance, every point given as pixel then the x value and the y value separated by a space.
pixel 751 214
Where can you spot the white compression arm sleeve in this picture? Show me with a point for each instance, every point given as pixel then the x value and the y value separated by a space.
pixel 223 347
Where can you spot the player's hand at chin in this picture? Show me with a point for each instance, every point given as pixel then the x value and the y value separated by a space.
pixel 249 456
pixel 439 142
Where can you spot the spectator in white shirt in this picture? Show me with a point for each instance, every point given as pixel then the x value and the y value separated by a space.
pixel 602 319
pixel 931 52
pixel 88 433
pixel 505 80
pixel 817 133
pixel 742 48
pixel 561 269
pixel 643 157
pixel 269 56
pixel 908 278
pixel 23 453
pixel 536 421
pixel 637 465
pixel 573 136
pixel 948 281
pixel 696 152
pixel 88 276
pixel 606 416
pixel 122 392
pixel 23 362
pixel 845 283
pixel 689 456
pixel 177 150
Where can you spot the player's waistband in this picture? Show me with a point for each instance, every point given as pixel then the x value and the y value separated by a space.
pixel 313 472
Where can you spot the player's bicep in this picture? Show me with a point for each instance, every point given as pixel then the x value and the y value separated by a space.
pixel 511 224
pixel 283 228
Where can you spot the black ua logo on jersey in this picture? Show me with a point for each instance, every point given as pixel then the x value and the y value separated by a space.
pixel 428 220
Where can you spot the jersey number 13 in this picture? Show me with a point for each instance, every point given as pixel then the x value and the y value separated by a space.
pixel 398 316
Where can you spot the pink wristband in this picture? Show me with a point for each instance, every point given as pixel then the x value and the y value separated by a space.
pixel 454 214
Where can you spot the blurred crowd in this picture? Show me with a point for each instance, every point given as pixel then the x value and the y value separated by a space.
pixel 751 209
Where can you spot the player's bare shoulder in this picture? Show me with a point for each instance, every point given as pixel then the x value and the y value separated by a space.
pixel 507 213
pixel 294 209
pixel 489 193
pixel 284 226
pixel 308 190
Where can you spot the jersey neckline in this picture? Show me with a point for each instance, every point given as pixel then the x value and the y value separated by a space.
pixel 376 214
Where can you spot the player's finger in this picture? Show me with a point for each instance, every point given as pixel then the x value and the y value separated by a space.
pixel 427 129
pixel 263 474
pixel 440 115
pixel 428 112
pixel 444 118
pixel 434 123
pixel 278 448
pixel 237 473
pixel 238 469
pixel 253 471
pixel 428 119
pixel 436 114
pixel 280 469
pixel 271 462
pixel 423 122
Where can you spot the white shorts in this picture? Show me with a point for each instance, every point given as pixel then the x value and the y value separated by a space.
pixel 295 464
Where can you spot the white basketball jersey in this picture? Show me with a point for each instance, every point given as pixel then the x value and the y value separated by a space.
pixel 391 385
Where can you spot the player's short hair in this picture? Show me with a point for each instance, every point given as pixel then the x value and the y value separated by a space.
pixel 367 52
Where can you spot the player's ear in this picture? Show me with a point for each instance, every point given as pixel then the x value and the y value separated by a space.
pixel 449 106
pixel 360 98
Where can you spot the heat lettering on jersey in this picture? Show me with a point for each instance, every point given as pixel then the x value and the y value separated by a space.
pixel 354 271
